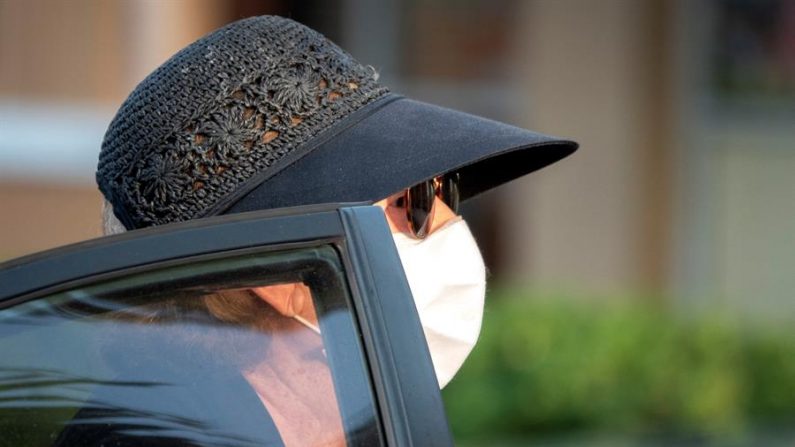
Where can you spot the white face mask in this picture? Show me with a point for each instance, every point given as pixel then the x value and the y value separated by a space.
pixel 448 280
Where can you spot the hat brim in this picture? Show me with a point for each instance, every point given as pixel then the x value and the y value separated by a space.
pixel 395 143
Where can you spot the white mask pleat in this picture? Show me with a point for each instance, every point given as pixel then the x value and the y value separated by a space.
pixel 447 278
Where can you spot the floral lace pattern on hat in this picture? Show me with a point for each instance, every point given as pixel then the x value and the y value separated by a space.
pixel 225 108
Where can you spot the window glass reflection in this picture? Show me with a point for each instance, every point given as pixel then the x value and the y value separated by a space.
pixel 214 355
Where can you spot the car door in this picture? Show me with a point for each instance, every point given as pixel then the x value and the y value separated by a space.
pixel 285 327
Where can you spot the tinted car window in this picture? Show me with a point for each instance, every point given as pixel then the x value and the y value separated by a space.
pixel 251 349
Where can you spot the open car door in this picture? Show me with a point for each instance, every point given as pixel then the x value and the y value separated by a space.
pixel 284 327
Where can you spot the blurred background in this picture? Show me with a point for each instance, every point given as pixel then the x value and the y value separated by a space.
pixel 641 291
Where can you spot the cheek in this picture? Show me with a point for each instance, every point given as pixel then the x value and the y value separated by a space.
pixel 396 218
pixel 441 214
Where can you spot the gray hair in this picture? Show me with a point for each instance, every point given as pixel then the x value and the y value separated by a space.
pixel 110 223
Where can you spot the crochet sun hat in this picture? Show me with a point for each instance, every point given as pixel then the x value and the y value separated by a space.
pixel 267 113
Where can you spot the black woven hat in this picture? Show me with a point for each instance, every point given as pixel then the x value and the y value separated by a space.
pixel 267 113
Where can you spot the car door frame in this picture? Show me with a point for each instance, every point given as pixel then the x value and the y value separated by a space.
pixel 406 391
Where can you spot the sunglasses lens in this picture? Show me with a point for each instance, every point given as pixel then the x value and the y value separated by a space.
pixel 450 194
pixel 419 208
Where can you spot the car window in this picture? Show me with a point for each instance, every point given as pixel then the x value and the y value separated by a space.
pixel 248 349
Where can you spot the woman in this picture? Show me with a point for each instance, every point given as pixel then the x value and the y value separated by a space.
pixel 266 113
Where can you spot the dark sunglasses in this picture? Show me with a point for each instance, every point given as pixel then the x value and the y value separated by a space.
pixel 419 202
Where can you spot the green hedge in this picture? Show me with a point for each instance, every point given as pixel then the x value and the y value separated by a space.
pixel 546 366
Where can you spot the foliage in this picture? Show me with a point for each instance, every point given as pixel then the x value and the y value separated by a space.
pixel 546 366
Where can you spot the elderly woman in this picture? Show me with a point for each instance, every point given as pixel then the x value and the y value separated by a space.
pixel 266 113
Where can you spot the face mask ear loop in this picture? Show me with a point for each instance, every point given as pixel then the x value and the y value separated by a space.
pixel 311 327
pixel 306 323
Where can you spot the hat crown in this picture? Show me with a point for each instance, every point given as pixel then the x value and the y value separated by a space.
pixel 227 107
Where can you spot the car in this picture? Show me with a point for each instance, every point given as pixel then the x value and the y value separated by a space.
pixel 110 341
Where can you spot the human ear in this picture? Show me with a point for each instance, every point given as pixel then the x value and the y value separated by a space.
pixel 289 299
pixel 279 296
